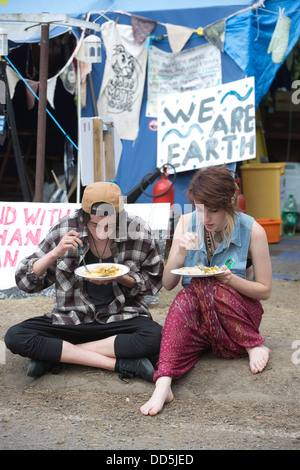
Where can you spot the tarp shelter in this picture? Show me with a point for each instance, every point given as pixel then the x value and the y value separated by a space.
pixel 249 27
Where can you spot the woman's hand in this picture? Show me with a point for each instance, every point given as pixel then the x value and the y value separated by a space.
pixel 226 276
pixel 188 241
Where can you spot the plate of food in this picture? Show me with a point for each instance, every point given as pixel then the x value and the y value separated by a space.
pixel 103 271
pixel 197 271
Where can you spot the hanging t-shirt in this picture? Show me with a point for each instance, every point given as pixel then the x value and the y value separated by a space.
pixel 123 80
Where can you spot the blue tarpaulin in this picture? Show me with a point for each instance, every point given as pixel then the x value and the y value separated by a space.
pixel 247 37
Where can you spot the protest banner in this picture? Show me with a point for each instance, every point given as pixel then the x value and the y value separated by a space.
pixel 23 225
pixel 207 127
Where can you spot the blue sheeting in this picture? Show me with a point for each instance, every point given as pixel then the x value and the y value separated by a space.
pixel 253 31
pixel 247 38
pixel 139 157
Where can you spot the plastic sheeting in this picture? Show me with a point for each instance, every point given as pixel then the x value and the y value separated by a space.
pixel 247 38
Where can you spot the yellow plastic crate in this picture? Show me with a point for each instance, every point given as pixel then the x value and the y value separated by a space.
pixel 263 185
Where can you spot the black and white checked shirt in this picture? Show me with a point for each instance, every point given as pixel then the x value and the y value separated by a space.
pixel 73 306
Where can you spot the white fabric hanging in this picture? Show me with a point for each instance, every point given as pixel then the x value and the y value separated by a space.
pixel 123 80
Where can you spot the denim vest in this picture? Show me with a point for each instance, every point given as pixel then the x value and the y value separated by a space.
pixel 235 256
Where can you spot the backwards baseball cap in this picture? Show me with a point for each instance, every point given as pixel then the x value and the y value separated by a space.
pixel 104 192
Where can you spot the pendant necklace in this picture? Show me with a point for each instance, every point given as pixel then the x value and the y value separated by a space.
pixel 218 237
pixel 100 257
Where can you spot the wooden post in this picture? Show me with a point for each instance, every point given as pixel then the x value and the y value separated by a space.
pixel 109 152
pixel 99 170
pixel 42 115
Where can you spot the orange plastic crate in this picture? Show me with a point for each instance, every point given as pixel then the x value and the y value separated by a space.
pixel 272 228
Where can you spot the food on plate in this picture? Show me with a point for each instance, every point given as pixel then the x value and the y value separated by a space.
pixel 104 271
pixel 200 269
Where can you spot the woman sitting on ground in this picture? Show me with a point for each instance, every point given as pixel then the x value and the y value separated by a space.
pixel 222 312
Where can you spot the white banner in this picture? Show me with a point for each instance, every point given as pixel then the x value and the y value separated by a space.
pixel 124 78
pixel 192 69
pixel 207 127
pixel 23 225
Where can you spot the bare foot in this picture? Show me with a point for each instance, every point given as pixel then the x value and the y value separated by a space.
pixel 161 395
pixel 258 358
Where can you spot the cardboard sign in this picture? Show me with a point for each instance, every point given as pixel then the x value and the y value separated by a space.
pixel 207 127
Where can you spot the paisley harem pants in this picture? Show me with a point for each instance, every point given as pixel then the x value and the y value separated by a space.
pixel 207 315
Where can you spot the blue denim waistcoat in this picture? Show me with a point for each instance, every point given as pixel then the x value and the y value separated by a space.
pixel 235 255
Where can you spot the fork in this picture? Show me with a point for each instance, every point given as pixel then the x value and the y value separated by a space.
pixel 83 260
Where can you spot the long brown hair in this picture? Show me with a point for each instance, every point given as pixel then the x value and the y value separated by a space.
pixel 215 187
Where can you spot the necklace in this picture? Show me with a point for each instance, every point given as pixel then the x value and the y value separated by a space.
pixel 210 241
pixel 218 237
pixel 100 257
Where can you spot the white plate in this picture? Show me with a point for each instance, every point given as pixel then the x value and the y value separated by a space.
pixel 81 271
pixel 180 272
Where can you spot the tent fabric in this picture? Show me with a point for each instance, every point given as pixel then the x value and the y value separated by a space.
pixel 139 156
pixel 253 57
pixel 238 61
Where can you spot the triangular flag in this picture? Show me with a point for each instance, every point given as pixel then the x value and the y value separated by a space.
pixel 215 34
pixel 141 28
pixel 51 85
pixel 12 78
pixel 178 36
pixel 30 98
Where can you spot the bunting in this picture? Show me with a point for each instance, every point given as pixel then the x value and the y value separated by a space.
pixel 30 98
pixel 178 36
pixel 215 34
pixel 141 28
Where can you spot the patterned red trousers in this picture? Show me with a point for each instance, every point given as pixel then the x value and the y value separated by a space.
pixel 207 315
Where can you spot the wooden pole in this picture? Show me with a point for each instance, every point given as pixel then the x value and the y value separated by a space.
pixel 42 115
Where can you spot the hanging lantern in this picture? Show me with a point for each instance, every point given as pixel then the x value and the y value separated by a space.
pixel 3 42
pixel 90 50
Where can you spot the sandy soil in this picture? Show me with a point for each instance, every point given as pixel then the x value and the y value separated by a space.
pixel 218 405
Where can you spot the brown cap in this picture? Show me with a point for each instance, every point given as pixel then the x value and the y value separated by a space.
pixel 109 193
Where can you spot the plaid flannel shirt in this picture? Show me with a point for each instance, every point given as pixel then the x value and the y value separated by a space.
pixel 140 253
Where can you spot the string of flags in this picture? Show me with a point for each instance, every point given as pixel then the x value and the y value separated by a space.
pixel 142 29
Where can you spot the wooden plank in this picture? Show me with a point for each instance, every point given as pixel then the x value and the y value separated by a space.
pixel 98 150
pixel 110 171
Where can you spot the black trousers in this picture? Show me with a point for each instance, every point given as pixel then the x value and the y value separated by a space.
pixel 37 338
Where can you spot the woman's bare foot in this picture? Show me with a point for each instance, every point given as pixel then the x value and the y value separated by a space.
pixel 161 395
pixel 258 358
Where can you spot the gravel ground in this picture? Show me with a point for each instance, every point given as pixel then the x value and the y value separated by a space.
pixel 218 405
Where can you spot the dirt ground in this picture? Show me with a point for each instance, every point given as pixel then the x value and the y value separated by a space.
pixel 218 405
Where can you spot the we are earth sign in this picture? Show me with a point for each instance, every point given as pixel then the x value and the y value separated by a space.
pixel 211 126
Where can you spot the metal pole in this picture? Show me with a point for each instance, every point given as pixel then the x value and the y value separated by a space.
pixel 42 115
pixel 92 93
pixel 79 147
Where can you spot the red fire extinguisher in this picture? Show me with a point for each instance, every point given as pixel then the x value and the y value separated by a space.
pixel 163 190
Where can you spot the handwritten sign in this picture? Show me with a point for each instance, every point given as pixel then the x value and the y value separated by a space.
pixel 22 227
pixel 196 68
pixel 207 127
